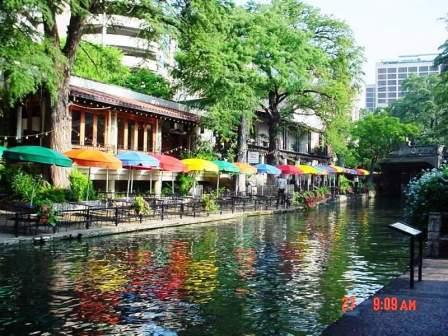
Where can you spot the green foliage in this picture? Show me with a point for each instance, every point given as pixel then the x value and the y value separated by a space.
pixel 377 135
pixel 81 187
pixel 345 185
pixel 100 63
pixel 147 82
pixel 141 206
pixel 25 186
pixel 427 193
pixel 47 214
pixel 423 105
pixel 202 150
pixel 297 198
pixel 209 202
pixel 185 183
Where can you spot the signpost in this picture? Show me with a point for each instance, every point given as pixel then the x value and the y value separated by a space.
pixel 253 157
pixel 412 233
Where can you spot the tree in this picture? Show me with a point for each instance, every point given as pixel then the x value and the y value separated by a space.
pixel 100 63
pixel 276 58
pixel 421 105
pixel 147 82
pixel 35 21
pixel 376 135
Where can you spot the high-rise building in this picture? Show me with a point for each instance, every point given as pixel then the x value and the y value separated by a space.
pixel 371 97
pixel 390 75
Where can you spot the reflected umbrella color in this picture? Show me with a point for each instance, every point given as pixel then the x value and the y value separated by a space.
pixel 270 275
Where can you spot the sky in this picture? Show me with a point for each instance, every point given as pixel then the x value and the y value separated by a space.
pixel 387 29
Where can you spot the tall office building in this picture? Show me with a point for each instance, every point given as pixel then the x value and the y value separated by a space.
pixel 390 75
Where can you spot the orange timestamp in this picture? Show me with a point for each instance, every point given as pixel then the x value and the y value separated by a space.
pixel 393 303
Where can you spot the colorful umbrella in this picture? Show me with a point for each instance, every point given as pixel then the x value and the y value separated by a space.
pixel 37 154
pixel 350 171
pixel 94 158
pixel 328 169
pixel 308 169
pixel 226 167
pixel 290 170
pixel 264 168
pixel 132 160
pixel 171 164
pixel 199 165
pixel 321 171
pixel 362 172
pixel 338 169
pixel 246 168
pixel 2 149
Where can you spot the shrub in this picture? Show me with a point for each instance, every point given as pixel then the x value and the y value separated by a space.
pixel 141 207
pixel 209 202
pixel 427 193
pixel 81 186
pixel 185 183
pixel 47 214
pixel 297 198
pixel 24 186
pixel 345 185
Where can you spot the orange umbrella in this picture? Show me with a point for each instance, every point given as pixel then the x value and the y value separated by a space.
pixel 246 168
pixel 94 158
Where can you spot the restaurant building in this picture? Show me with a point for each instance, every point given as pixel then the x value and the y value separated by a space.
pixel 112 118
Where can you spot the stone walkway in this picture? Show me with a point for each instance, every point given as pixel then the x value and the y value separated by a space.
pixel 430 317
pixel 8 239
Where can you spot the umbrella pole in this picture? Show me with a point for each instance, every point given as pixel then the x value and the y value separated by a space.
pixel 107 181
pixel 194 185
pixel 132 181
pixel 172 183
pixel 150 182
pixel 129 183
pixel 217 185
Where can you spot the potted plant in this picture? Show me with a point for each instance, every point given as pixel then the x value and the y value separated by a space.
pixel 141 207
pixel 47 215
pixel 209 203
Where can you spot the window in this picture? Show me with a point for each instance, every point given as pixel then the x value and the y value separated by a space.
pixel 423 68
pixel 370 100
pixel 382 95
pixel 391 76
pixel 382 89
pixel 402 70
pixel 392 88
pixel 382 70
pixel 381 101
pixel 76 119
pixel 401 81
pixel 434 68
pixel 382 83
pixel 391 100
pixel 392 70
pixel 101 128
pixel 381 76
pixel 392 94
pixel 120 127
pixel 402 76
pixel 423 74
pixel 89 129
pixel 392 82
pixel 412 69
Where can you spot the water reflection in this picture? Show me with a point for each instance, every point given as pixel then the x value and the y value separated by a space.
pixel 279 275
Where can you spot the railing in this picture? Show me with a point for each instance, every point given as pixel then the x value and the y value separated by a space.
pixel 97 214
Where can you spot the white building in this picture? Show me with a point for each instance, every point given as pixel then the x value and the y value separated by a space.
pixel 390 75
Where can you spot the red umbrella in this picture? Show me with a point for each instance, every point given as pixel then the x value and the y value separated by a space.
pixel 170 163
pixel 290 170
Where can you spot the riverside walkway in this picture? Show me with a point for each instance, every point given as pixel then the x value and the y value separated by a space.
pixel 424 311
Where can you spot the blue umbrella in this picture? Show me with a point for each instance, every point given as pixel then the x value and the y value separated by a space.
pixel 132 159
pixel 267 169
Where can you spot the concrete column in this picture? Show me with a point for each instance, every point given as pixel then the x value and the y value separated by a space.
pixel 157 136
pixel 125 134
pixel 134 138
pixel 158 185
pixel 95 130
pixel 19 130
pixel 114 131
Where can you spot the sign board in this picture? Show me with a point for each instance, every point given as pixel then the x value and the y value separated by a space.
pixel 406 229
pixel 253 157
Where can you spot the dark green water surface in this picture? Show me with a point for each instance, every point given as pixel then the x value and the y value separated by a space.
pixel 272 275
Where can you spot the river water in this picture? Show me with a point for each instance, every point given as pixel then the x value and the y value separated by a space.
pixel 271 275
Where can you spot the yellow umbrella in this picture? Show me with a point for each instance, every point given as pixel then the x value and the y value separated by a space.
pixel 200 165
pixel 338 169
pixel 246 168
pixel 308 169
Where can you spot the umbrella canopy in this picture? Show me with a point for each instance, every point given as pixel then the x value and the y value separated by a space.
pixel 362 172
pixel 37 154
pixel 169 163
pixel 338 169
pixel 321 171
pixel 308 169
pixel 200 165
pixel 246 168
pixel 2 149
pixel 226 167
pixel 138 159
pixel 350 171
pixel 264 168
pixel 93 158
pixel 290 170
pixel 328 169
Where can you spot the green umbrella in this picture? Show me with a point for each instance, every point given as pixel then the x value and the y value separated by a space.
pixel 37 154
pixel 2 149
pixel 226 167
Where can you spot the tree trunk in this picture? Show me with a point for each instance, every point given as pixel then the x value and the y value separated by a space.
pixel 274 123
pixel 243 131
pixel 61 128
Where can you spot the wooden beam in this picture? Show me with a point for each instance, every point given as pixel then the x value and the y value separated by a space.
pixel 145 137
pixel 95 130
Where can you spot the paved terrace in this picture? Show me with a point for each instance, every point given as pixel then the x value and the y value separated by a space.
pixel 430 317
